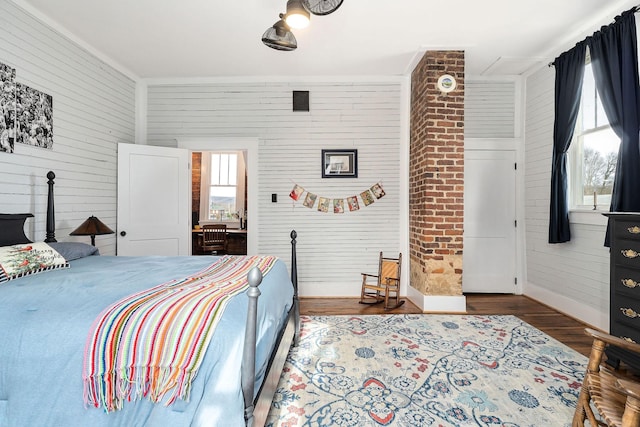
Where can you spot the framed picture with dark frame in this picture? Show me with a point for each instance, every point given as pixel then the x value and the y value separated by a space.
pixel 339 163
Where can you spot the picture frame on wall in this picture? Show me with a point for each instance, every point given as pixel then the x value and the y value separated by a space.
pixel 340 163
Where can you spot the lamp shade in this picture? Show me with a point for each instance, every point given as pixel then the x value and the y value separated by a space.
pixel 280 37
pixel 297 16
pixel 91 227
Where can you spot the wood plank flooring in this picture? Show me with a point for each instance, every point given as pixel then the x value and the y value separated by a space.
pixel 561 327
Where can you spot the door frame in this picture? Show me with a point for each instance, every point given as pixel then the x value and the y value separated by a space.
pixel 251 146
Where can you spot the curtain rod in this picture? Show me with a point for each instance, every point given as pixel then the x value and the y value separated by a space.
pixel 636 7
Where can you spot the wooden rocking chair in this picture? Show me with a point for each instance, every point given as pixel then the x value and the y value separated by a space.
pixel 613 393
pixel 386 287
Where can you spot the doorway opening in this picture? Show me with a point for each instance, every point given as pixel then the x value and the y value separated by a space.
pixel 219 197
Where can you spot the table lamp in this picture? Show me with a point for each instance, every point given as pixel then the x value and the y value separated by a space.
pixel 92 227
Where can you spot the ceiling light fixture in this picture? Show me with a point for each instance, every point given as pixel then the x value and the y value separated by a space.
pixel 279 36
pixel 321 7
pixel 297 16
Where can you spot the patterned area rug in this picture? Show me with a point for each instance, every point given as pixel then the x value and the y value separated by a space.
pixel 427 370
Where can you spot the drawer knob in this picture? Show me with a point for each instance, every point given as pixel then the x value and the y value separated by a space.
pixel 629 253
pixel 628 339
pixel 629 283
pixel 629 312
pixel 634 230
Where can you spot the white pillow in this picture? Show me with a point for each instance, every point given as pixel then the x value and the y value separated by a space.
pixel 28 258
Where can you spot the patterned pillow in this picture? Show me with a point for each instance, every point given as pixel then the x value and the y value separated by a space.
pixel 28 258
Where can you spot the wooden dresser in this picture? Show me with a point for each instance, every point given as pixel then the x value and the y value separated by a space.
pixel 624 314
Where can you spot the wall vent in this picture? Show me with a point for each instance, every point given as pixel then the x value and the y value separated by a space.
pixel 300 100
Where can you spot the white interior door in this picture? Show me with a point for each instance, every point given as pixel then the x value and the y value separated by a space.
pixel 489 256
pixel 153 200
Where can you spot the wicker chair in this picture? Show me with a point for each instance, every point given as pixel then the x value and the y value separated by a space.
pixel 386 285
pixel 613 392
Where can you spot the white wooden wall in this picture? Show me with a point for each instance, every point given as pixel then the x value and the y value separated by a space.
pixel 333 249
pixel 93 110
pixel 572 277
pixel 489 108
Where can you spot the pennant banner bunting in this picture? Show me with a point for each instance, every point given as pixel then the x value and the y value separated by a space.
pixel 368 196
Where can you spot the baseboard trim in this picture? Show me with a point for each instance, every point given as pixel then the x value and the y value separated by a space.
pixel 437 303
pixel 582 312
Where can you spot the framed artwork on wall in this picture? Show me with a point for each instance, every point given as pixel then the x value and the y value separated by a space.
pixel 339 163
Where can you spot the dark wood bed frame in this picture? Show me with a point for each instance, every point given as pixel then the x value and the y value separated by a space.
pixel 256 410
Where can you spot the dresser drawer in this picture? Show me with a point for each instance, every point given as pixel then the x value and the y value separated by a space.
pixel 626 281
pixel 616 355
pixel 625 332
pixel 627 229
pixel 626 252
pixel 625 311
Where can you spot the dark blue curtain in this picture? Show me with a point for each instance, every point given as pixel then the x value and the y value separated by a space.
pixel 568 88
pixel 614 60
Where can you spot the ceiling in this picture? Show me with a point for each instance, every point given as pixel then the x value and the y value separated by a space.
pixel 164 39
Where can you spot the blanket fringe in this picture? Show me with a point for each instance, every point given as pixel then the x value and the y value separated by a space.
pixel 153 383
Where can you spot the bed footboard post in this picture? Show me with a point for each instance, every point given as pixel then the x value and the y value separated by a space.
pixel 294 280
pixel 51 221
pixel 248 373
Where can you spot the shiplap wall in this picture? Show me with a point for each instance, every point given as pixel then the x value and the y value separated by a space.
pixel 489 108
pixel 333 249
pixel 93 110
pixel 573 276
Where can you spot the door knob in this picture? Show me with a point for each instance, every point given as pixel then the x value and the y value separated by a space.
pixel 123 233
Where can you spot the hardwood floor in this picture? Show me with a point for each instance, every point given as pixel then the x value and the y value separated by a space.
pixel 561 327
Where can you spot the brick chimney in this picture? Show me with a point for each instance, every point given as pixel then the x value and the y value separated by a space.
pixel 436 176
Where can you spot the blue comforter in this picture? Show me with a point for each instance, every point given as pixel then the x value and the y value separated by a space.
pixel 45 319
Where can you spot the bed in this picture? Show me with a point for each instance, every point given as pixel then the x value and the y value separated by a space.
pixel 46 318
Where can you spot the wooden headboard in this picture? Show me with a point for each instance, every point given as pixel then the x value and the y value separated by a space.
pixel 12 229
pixel 12 225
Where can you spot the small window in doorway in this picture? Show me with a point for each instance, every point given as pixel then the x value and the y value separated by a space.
pixel 223 188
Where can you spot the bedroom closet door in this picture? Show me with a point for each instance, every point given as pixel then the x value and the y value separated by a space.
pixel 489 257
pixel 153 201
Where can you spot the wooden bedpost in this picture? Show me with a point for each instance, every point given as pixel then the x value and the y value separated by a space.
pixel 294 280
pixel 248 373
pixel 51 220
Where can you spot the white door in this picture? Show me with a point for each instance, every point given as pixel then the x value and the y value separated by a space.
pixel 489 256
pixel 153 200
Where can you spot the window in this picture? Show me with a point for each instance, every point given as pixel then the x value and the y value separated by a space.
pixel 593 152
pixel 222 187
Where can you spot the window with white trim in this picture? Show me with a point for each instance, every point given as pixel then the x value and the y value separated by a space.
pixel 593 152
pixel 222 187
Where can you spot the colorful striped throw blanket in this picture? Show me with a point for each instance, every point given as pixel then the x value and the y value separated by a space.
pixel 152 343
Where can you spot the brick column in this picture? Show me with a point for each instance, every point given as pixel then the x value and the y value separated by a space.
pixel 436 175
pixel 196 161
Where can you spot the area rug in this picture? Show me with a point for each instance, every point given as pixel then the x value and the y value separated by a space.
pixel 426 370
